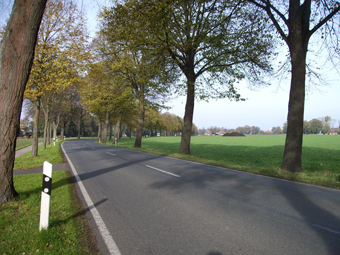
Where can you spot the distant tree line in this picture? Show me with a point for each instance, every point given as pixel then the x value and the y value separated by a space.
pixel 165 124
pixel 247 130
pixel 156 122
pixel 314 126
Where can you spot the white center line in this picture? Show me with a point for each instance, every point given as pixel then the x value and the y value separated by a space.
pixel 162 171
pixel 111 153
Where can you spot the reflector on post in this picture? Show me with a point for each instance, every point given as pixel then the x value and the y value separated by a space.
pixel 45 196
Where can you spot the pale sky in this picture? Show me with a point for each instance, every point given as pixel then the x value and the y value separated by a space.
pixel 265 107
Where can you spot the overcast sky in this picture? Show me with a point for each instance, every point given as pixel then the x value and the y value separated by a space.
pixel 265 107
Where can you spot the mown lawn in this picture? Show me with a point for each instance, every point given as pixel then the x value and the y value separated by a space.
pixel 256 154
pixel 52 154
pixel 24 142
pixel 68 232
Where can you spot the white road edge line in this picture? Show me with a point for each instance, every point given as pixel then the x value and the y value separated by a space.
pixel 111 153
pixel 163 171
pixel 110 243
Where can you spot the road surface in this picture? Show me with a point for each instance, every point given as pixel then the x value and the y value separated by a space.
pixel 157 205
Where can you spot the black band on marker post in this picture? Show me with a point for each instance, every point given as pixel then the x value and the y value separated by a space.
pixel 47 185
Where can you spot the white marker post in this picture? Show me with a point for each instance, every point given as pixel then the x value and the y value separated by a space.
pixel 46 196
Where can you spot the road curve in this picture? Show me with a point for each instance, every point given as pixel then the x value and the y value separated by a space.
pixel 157 205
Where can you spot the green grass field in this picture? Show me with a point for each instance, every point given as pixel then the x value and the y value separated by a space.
pixel 52 154
pixel 24 142
pixel 256 154
pixel 68 232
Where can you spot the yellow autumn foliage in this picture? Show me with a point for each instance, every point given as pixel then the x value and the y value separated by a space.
pixel 60 54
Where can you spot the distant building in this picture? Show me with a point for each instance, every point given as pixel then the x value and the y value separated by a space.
pixel 220 133
pixel 207 133
pixel 334 130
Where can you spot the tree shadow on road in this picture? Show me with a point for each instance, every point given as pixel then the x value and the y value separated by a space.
pixel 93 174
pixel 197 177
pixel 323 221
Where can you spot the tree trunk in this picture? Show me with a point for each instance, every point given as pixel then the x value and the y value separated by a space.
pixel 54 136
pixel 298 44
pixel 49 133
pixel 47 115
pixel 55 124
pixel 35 128
pixel 16 57
pixel 117 129
pixel 140 126
pixel 99 131
pixel 184 147
pixel 105 127
pixel 45 135
pixel 62 130
pixel 79 127
pixel 110 132
pixel 293 146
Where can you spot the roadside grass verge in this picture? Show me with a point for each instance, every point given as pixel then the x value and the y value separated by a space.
pixel 255 154
pixel 68 232
pixel 52 154
pixel 24 142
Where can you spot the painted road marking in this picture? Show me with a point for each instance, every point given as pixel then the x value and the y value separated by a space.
pixel 110 243
pixel 111 153
pixel 165 172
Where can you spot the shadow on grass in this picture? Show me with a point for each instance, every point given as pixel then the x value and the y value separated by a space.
pixel 247 157
pixel 56 223
pixel 55 185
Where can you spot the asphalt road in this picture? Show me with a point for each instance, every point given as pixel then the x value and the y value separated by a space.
pixel 158 205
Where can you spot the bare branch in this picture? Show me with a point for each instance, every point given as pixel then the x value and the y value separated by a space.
pixel 323 21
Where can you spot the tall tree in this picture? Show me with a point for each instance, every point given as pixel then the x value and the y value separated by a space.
pixel 315 126
pixel 212 43
pixel 16 55
pixel 105 97
pixel 135 65
pixel 296 22
pixel 60 54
